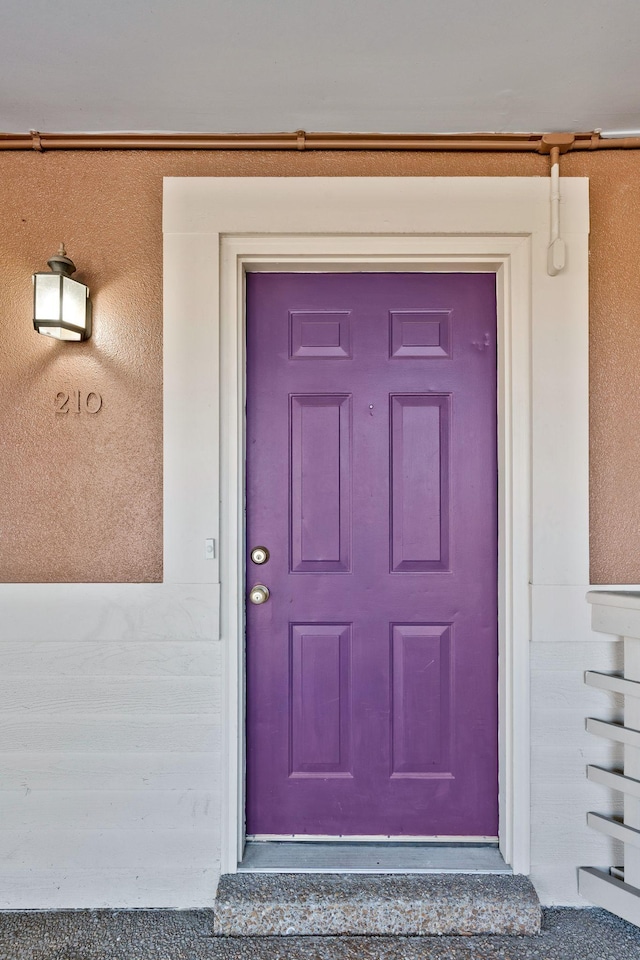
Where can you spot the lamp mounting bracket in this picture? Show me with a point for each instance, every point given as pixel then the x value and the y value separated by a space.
pixel 61 263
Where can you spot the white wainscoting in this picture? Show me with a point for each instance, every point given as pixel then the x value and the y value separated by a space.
pixel 561 748
pixel 109 745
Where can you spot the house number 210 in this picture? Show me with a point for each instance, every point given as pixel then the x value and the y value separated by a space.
pixel 78 402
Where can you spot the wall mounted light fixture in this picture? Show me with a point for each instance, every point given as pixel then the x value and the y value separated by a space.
pixel 61 306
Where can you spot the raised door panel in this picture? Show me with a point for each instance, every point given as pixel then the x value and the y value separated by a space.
pixel 421 700
pixel 320 699
pixel 419 482
pixel 320 455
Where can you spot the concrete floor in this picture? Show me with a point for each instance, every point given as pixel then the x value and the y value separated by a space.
pixel 186 935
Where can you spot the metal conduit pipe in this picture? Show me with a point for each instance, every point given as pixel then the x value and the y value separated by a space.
pixel 301 140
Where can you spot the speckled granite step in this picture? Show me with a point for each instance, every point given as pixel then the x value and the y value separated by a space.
pixel 277 905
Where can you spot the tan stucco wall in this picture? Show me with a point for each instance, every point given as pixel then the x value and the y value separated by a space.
pixel 81 494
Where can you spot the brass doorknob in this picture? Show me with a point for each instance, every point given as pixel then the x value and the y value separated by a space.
pixel 259 593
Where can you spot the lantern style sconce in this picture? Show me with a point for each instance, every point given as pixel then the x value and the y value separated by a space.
pixel 61 306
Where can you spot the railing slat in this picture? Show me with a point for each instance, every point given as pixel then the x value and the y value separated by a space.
pixel 613 828
pixel 613 731
pixel 613 780
pixel 613 682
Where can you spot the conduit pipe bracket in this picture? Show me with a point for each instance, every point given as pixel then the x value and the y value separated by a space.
pixel 562 141
pixel 36 141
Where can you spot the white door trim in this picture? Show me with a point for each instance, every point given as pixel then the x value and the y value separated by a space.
pixel 216 229
pixel 508 258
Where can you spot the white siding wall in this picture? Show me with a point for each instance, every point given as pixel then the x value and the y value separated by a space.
pixel 109 746
pixel 561 795
pixel 110 768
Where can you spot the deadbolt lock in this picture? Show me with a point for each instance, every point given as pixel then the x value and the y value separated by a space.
pixel 259 593
pixel 259 555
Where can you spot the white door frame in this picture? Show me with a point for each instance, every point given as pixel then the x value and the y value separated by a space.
pixel 216 230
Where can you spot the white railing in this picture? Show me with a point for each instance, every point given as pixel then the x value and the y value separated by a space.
pixel 618 890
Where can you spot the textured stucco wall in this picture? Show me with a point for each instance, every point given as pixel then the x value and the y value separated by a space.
pixel 80 494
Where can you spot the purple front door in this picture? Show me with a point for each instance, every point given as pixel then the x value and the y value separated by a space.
pixel 372 669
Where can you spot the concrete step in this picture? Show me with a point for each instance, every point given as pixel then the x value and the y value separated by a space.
pixel 280 905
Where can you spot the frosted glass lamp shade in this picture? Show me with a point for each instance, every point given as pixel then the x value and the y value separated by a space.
pixel 61 307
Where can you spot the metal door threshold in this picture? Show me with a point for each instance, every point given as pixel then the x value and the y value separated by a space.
pixel 322 857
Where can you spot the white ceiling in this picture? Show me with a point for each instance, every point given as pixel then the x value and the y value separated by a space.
pixel 248 66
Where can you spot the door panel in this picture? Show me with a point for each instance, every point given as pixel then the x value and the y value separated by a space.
pixel 320 455
pixel 419 482
pixel 372 481
pixel 420 702
pixel 320 726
